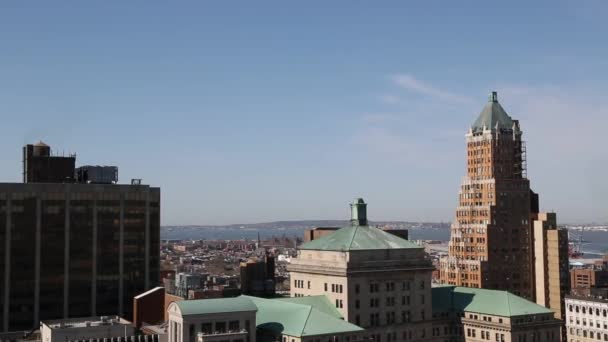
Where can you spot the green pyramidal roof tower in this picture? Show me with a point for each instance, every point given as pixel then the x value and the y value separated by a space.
pixel 492 117
pixel 358 235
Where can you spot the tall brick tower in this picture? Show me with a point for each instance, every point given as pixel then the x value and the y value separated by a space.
pixel 491 240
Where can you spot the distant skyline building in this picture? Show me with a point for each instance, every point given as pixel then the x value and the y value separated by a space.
pixel 74 250
pixel 499 240
pixel 490 243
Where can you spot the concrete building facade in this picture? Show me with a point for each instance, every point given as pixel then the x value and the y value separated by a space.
pixel 86 329
pixel 376 280
pixel 471 314
pixel 551 264
pixel 582 280
pixel 212 320
pixel 586 319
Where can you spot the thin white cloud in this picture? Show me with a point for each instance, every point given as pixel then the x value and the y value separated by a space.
pixel 408 82
pixel 389 99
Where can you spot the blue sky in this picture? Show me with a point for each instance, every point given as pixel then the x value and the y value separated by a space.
pixel 260 110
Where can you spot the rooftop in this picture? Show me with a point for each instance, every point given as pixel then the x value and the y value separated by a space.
pixel 83 322
pixel 358 238
pixel 298 317
pixel 493 116
pixel 483 301
pixel 219 305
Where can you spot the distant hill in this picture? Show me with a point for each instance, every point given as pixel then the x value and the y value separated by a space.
pixel 317 223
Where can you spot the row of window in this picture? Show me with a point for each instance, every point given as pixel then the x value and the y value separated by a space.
pixel 485 335
pixel 585 310
pixel 389 286
pixel 590 334
pixel 299 284
pixel 584 321
pixel 335 288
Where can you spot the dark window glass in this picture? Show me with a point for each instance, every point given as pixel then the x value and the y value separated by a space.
pixel 134 248
pixel 52 227
pixel 108 251
pixel 2 252
pixel 23 232
pixel 81 254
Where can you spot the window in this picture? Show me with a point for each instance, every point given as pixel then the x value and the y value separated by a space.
pixel 356 304
pixel 333 288
pixel 309 284
pixel 325 287
pixel 207 328
pixel 357 288
pixel 220 326
pixel 234 326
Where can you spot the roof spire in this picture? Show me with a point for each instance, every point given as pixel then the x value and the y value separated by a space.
pixel 493 97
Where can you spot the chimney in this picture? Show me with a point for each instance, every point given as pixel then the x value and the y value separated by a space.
pixel 358 212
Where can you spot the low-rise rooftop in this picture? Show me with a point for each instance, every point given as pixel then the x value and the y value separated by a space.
pixel 85 322
pixel 483 301
pixel 298 317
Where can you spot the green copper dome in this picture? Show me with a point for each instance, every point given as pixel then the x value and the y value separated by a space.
pixel 493 116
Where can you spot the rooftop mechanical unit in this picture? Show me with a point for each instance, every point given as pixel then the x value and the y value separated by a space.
pixel 94 174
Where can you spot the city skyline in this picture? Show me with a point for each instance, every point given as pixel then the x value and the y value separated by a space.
pixel 243 117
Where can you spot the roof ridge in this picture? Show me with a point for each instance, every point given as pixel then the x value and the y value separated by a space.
pixel 508 302
pixel 307 317
pixel 352 238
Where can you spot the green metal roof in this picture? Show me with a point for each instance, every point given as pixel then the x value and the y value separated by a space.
pixel 298 317
pixel 493 116
pixel 208 306
pixel 358 238
pixel 320 303
pixel 483 301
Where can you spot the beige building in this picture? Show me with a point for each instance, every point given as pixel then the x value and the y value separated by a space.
pixel 586 319
pixel 247 319
pixel 212 320
pixel 376 280
pixel 471 314
pixel 552 277
pixel 88 328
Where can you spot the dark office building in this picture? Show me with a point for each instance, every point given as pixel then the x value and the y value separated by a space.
pixel 257 277
pixel 75 250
